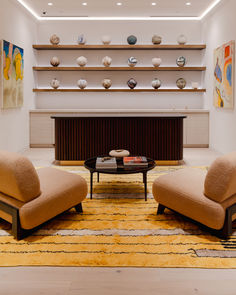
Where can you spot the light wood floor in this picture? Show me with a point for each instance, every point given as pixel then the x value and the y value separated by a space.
pixel 117 281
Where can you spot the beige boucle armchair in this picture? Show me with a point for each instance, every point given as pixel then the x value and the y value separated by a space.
pixel 28 198
pixel 206 197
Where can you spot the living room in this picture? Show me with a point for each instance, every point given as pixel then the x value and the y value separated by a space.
pixel 119 72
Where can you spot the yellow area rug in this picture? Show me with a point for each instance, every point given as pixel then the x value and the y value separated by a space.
pixel 118 228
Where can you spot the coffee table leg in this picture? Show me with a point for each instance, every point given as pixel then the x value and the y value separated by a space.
pixel 91 185
pixel 98 176
pixel 145 184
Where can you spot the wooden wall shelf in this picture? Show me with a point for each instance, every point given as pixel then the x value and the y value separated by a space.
pixel 119 47
pixel 154 69
pixel 116 90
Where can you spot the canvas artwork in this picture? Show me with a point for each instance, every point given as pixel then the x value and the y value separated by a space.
pixel 224 76
pixel 12 75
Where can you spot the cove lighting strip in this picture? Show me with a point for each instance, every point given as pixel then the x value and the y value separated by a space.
pixel 40 18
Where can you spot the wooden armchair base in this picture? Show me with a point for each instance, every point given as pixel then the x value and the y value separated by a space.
pixel 17 231
pixel 223 233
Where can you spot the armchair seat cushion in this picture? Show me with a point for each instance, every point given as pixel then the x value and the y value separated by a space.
pixel 183 191
pixel 60 191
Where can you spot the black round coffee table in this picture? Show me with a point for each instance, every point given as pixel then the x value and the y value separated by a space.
pixel 90 164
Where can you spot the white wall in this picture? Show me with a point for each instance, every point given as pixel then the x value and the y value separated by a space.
pixel 119 30
pixel 218 29
pixel 18 27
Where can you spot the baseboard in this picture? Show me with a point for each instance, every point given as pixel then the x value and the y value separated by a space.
pixel 168 163
pixel 42 145
pixel 196 145
pixel 69 163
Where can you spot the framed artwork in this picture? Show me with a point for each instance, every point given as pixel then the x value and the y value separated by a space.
pixel 224 76
pixel 12 75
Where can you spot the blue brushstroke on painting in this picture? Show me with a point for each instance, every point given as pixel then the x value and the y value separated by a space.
pixel 229 74
pixel 218 72
pixel 6 47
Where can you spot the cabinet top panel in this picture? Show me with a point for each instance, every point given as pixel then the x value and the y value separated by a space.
pixel 75 116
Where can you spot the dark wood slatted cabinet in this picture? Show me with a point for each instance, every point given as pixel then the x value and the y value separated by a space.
pixel 159 137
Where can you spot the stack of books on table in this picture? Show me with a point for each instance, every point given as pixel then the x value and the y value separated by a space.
pixel 106 163
pixel 135 161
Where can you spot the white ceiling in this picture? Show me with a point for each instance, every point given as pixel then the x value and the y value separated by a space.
pixel 130 8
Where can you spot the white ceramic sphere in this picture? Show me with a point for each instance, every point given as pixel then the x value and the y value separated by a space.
pixel 106 61
pixel 106 83
pixel 156 61
pixel 106 39
pixel 55 61
pixel 156 83
pixel 156 39
pixel 181 61
pixel 81 61
pixel 132 61
pixel 54 39
pixel 82 83
pixel 55 83
pixel 182 39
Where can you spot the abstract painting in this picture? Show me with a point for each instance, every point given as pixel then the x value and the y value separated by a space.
pixel 224 76
pixel 12 74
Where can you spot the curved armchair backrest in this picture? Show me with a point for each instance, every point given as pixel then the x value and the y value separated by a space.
pixel 18 177
pixel 220 182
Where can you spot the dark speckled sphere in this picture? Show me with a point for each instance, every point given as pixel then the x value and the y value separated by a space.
pixel 132 40
pixel 132 83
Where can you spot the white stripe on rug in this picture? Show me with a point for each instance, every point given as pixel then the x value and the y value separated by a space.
pixel 114 232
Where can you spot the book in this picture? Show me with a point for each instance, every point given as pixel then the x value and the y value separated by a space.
pixel 106 163
pixel 135 161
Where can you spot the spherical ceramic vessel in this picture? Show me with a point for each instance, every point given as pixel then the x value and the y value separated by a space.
pixel 82 83
pixel 106 39
pixel 55 61
pixel 81 39
pixel 181 39
pixel 106 83
pixel 54 39
pixel 132 40
pixel 119 153
pixel 156 83
pixel 156 61
pixel 156 39
pixel 195 85
pixel 181 61
pixel 106 61
pixel 132 83
pixel 132 61
pixel 81 61
pixel 181 83
pixel 55 83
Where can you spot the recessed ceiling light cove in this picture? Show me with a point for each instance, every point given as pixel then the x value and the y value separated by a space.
pixel 22 2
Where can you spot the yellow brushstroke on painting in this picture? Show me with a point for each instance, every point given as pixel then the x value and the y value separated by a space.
pixel 220 101
pixel 17 62
pixel 7 67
